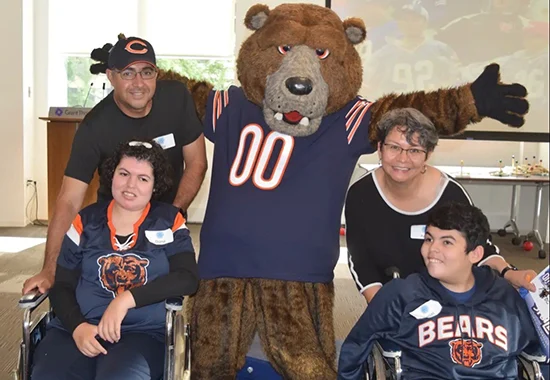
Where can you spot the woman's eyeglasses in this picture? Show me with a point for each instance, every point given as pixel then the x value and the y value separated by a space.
pixel 414 153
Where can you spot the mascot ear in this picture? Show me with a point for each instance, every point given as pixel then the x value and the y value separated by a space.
pixel 256 16
pixel 98 68
pixel 101 55
pixel 355 30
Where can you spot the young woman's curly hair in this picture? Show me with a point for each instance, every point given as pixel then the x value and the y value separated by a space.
pixel 141 150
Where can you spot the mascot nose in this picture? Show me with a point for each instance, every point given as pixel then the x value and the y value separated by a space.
pixel 299 85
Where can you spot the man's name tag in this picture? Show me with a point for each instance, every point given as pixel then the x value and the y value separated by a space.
pixel 418 231
pixel 166 141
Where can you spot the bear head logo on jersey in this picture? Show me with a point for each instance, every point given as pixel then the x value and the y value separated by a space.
pixel 118 273
pixel 466 352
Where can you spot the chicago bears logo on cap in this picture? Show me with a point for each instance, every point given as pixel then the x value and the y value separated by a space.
pixel 131 47
pixel 466 352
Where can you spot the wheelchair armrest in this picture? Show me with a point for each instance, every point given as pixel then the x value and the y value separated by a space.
pixel 539 358
pixel 389 350
pixel 32 300
pixel 174 303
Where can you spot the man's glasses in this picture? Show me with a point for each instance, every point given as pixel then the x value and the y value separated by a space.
pixel 141 143
pixel 414 153
pixel 146 73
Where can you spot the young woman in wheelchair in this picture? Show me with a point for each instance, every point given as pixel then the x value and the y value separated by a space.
pixel 119 261
pixel 401 193
pixel 453 320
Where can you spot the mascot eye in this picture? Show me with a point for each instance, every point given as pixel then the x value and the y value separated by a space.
pixel 283 49
pixel 322 53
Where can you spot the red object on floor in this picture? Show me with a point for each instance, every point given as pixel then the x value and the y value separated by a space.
pixel 342 231
pixel 527 246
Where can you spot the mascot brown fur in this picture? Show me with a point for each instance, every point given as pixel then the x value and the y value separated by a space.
pixel 300 74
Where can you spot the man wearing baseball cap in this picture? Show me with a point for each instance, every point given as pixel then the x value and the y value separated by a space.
pixel 139 107
pixel 131 50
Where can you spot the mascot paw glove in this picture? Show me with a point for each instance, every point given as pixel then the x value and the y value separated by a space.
pixel 503 102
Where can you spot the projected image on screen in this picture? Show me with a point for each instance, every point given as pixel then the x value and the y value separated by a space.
pixel 427 44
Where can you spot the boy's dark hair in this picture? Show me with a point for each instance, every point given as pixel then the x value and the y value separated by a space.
pixel 141 150
pixel 464 218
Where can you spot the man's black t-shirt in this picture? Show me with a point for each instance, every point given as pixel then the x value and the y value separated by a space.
pixel 172 122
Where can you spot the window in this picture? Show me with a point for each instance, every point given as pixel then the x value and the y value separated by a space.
pixel 83 88
pixel 207 55
pixel 219 72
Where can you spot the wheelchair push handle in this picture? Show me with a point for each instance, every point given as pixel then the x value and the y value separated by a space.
pixel 174 303
pixel 392 272
pixel 32 299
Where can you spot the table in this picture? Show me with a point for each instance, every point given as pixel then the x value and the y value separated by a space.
pixel 476 175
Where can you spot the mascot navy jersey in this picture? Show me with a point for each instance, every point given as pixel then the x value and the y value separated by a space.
pixel 276 224
pixel 109 267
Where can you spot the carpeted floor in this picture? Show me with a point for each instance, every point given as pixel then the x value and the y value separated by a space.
pixel 21 253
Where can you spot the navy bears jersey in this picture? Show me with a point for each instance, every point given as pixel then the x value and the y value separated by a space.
pixel 395 68
pixel 439 337
pixel 275 200
pixel 110 267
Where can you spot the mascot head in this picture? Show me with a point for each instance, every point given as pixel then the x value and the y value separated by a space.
pixel 299 64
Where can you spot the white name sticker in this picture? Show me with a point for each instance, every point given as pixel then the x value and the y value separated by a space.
pixel 428 309
pixel 160 237
pixel 166 141
pixel 418 231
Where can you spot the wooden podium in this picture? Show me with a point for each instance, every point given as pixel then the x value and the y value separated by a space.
pixel 60 134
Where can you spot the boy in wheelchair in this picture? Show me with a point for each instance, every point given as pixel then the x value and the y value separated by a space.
pixel 119 261
pixel 452 321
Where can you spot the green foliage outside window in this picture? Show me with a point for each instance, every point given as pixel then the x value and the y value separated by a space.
pixel 217 71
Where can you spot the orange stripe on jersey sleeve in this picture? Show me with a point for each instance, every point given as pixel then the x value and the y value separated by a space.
pixel 356 112
pixel 215 109
pixel 178 222
pixel 358 121
pixel 75 230
pixel 220 104
pixel 77 223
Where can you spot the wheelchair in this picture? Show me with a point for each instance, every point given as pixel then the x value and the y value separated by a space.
pixel 384 363
pixel 177 335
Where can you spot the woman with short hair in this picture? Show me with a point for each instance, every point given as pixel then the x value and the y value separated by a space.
pixel 387 209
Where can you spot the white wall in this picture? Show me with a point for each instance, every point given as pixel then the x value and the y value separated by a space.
pixel 41 103
pixel 28 101
pixel 12 162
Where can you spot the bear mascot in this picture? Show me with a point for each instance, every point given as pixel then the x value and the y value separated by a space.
pixel 285 145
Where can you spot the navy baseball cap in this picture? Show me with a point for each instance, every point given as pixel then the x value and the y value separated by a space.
pixel 131 50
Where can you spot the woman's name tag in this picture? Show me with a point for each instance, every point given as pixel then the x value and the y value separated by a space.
pixel 418 231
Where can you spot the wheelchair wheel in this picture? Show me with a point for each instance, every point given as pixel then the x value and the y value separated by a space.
pixel 180 347
pixel 379 365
